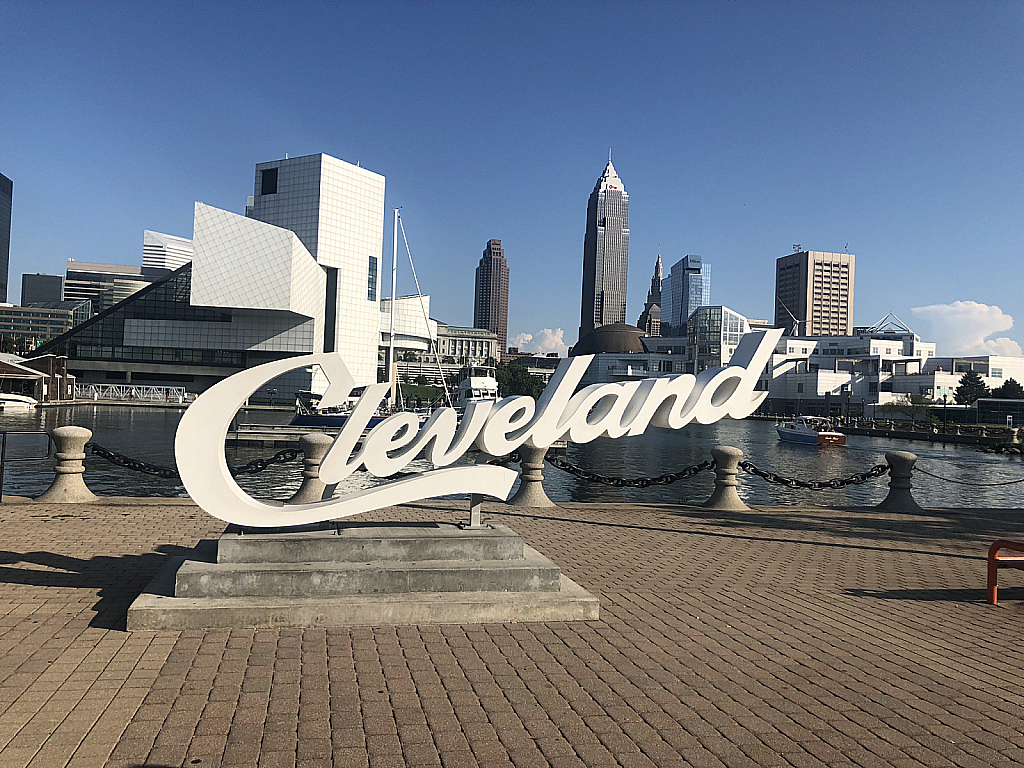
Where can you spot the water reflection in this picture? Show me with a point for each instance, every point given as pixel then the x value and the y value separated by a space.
pixel 148 434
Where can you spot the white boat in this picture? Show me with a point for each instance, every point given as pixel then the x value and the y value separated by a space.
pixel 9 402
pixel 810 430
pixel 479 385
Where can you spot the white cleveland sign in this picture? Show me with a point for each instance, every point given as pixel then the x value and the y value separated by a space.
pixel 600 410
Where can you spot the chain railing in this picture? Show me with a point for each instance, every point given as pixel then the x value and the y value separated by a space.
pixel 623 482
pixel 772 477
pixel 967 482
pixel 137 465
pixel 821 485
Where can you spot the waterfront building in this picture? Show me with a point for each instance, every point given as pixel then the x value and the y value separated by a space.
pixel 251 294
pixel 814 293
pixel 541 366
pixel 44 378
pixel 605 254
pixel 689 287
pixel 851 374
pixel 336 209
pixel 160 251
pixel 106 284
pixel 712 335
pixel 40 287
pixel 490 301
pixel 650 318
pixel 6 205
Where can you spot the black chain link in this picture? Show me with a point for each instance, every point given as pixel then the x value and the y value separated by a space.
pixel 512 458
pixel 967 482
pixel 254 466
pixel 622 482
pixel 838 482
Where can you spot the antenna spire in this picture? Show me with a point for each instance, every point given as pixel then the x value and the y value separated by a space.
pixel 609 154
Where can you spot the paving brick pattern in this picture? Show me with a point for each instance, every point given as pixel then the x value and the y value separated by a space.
pixel 776 637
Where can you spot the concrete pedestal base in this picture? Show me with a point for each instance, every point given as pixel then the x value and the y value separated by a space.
pixel 358 575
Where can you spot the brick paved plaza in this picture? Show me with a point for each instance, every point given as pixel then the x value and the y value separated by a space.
pixel 773 637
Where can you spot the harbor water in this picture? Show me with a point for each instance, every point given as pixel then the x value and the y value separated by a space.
pixel 148 434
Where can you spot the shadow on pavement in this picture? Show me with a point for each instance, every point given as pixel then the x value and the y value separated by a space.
pixel 118 580
pixel 940 595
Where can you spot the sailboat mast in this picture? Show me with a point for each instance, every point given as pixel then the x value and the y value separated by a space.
pixel 392 365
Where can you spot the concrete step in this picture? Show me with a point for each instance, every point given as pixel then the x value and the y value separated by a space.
pixel 533 573
pixel 155 610
pixel 363 543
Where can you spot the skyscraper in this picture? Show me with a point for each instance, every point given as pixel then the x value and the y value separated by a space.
pixel 605 254
pixel 337 211
pixel 6 199
pixel 814 293
pixel 650 318
pixel 689 287
pixel 490 304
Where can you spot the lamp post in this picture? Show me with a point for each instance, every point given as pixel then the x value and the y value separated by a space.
pixel 271 392
pixel 944 398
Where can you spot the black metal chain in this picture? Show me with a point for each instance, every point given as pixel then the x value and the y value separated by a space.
pixel 838 482
pixel 504 461
pixel 622 482
pixel 256 465
pixel 966 482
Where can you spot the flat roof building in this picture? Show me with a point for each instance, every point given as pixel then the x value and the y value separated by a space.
pixel 814 293
pixel 40 287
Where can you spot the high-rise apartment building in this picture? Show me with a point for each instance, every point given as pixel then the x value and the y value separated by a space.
pixel 814 293
pixel 39 287
pixel 337 211
pixel 490 304
pixel 689 287
pixel 6 201
pixel 650 318
pixel 605 254
pixel 160 251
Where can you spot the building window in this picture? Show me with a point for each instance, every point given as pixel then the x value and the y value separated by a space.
pixel 799 387
pixel 371 280
pixel 268 181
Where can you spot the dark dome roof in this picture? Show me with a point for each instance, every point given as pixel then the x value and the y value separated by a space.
pixel 615 338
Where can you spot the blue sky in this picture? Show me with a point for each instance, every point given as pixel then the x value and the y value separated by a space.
pixel 738 129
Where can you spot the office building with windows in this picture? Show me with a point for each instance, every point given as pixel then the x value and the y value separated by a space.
pixel 6 204
pixel 39 287
pixel 490 302
pixel 160 251
pixel 814 293
pixel 689 287
pixel 106 284
pixel 605 254
pixel 336 209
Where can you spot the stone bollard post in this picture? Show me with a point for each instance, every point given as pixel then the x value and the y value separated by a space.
pixel 725 496
pixel 68 484
pixel 314 447
pixel 531 486
pixel 899 498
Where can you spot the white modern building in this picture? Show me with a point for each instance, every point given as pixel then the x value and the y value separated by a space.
pixel 336 209
pixel 160 251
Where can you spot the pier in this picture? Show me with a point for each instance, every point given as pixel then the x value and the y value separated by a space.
pixel 772 636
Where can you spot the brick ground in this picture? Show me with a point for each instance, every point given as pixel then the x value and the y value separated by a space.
pixel 777 637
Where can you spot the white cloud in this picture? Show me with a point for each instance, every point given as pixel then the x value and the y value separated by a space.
pixel 544 341
pixel 963 328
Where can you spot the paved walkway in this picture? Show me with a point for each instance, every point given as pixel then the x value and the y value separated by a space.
pixel 778 637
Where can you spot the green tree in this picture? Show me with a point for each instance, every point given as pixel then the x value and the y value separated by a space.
pixel 970 389
pixel 516 380
pixel 409 356
pixel 1010 390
